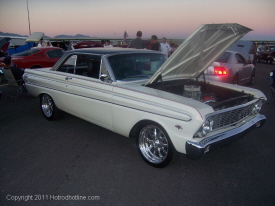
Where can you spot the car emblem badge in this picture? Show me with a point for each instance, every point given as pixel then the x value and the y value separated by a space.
pixel 178 126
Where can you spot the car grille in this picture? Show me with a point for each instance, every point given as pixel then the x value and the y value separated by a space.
pixel 232 117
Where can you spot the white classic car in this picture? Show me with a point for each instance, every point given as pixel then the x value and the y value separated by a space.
pixel 160 102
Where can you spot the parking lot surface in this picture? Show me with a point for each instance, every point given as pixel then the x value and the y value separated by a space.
pixel 73 162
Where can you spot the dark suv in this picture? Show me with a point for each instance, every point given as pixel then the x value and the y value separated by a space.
pixel 267 54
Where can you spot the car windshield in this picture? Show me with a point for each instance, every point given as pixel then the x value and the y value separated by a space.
pixel 135 66
pixel 27 53
pixel 224 57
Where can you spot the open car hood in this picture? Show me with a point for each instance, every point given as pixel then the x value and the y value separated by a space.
pixel 199 51
pixel 35 37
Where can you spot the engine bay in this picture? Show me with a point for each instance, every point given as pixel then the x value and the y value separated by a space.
pixel 217 97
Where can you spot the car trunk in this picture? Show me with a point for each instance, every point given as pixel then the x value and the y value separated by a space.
pixel 217 97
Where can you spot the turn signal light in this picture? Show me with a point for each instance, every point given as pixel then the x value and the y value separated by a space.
pixel 221 71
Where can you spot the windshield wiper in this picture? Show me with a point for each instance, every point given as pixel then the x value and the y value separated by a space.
pixel 133 76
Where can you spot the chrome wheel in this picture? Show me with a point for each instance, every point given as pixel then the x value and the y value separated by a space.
pixel 47 105
pixel 154 145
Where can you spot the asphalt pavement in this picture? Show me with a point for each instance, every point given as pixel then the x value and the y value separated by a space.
pixel 73 162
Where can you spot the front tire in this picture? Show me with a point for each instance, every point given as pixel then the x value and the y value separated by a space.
pixel 48 108
pixel 154 145
pixel 252 78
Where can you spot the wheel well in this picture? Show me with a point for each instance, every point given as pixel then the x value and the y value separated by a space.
pixel 134 131
pixel 136 128
pixel 236 75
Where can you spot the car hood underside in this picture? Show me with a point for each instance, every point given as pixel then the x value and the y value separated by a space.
pixel 199 51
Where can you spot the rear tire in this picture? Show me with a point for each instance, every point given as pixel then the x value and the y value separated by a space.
pixel 154 145
pixel 235 79
pixel 48 108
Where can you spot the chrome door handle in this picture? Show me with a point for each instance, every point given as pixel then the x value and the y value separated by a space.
pixel 67 78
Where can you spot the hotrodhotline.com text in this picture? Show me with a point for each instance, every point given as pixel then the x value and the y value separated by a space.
pixel 26 198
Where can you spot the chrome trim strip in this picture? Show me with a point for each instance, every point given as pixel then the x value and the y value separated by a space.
pixel 108 67
pixel 108 101
pixel 155 105
pixel 112 85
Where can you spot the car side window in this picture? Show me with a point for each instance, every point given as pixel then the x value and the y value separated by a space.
pixel 81 64
pixel 55 53
pixel 240 59
pixel 69 65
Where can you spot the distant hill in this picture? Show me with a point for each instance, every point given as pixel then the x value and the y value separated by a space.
pixel 70 36
pixel 58 36
pixel 11 34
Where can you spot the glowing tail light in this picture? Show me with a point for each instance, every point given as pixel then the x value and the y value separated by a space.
pixel 220 71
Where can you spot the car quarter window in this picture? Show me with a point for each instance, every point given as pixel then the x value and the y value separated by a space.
pixel 81 64
pixel 240 59
pixel 135 66
pixel 224 57
pixel 55 53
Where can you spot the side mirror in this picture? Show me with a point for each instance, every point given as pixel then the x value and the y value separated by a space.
pixel 103 77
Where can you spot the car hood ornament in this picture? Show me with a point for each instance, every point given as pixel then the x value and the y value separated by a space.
pixel 199 51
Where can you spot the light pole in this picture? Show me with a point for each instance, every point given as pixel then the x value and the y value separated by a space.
pixel 28 17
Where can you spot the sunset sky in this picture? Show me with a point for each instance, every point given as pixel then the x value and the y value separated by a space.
pixel 110 18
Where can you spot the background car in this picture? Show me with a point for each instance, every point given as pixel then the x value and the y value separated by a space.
pixel 37 57
pixel 267 54
pixel 231 67
pixel 4 44
pixel 87 44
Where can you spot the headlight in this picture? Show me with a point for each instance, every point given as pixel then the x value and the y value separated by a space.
pixel 257 107
pixel 205 128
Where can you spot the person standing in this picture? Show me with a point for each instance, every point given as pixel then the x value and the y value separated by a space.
pixel 252 53
pixel 138 43
pixel 165 47
pixel 40 44
pixel 108 43
pixel 155 44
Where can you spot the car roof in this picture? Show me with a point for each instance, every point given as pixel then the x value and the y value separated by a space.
pixel 45 48
pixel 112 50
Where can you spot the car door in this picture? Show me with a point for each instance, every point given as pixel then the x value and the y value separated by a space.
pixel 87 96
pixel 244 69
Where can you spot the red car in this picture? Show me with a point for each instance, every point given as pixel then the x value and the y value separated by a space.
pixel 36 57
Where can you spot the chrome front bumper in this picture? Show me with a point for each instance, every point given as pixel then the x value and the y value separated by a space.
pixel 195 150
